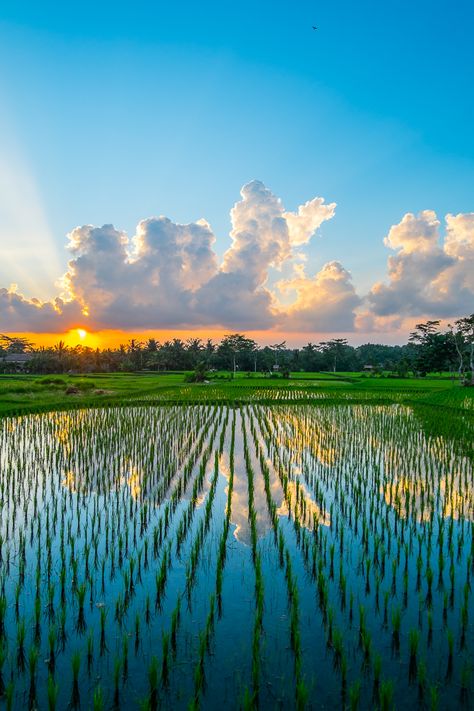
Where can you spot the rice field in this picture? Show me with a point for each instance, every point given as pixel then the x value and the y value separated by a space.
pixel 253 555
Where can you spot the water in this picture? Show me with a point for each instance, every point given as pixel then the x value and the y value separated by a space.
pixel 359 515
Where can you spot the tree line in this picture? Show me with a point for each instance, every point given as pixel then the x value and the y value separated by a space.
pixel 429 350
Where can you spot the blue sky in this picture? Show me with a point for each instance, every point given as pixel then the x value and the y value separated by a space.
pixel 113 112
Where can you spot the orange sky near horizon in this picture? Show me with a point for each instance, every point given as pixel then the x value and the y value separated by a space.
pixel 113 338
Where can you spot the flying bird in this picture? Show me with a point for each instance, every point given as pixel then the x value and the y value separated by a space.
pixel 314 28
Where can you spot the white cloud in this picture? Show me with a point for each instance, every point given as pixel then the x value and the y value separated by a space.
pixel 309 217
pixel 168 275
pixel 426 278
pixel 414 233
pixel 324 303
pixel 17 313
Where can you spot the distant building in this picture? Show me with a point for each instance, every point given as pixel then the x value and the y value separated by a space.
pixel 15 361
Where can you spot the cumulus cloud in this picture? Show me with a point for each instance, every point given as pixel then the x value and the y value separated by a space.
pixel 168 274
pixel 324 303
pixel 309 217
pixel 427 276
pixel 148 281
pixel 18 313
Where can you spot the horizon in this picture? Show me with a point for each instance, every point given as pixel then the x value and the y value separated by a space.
pixel 113 339
pixel 127 136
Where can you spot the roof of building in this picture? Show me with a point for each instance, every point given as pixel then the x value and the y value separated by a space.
pixel 16 357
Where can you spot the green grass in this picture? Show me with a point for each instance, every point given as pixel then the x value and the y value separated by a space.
pixel 20 394
pixel 31 393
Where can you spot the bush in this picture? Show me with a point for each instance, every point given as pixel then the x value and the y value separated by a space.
pixel 199 375
pixel 51 381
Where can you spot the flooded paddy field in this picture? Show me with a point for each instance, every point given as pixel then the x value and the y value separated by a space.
pixel 272 556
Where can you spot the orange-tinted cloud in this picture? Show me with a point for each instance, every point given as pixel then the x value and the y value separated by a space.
pixel 168 277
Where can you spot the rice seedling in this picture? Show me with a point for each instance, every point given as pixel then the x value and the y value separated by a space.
pixel 76 665
pixel 153 683
pixel 349 522
pixel 3 654
pixel 53 691
pixel 386 695
pixel 98 699
pixel 354 695
pixel 33 657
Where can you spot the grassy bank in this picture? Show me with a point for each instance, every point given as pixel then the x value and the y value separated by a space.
pixel 20 394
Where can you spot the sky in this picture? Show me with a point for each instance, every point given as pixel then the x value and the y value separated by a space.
pixel 259 175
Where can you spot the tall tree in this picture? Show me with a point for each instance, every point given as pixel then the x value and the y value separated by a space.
pixel 15 344
pixel 234 347
pixel 334 348
pixel 465 326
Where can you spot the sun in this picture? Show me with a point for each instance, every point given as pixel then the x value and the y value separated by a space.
pixel 82 333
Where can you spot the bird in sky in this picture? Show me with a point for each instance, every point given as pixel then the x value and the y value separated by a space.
pixel 314 28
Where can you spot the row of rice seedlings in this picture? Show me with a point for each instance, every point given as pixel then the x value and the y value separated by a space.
pixel 169 640
pixel 80 589
pixel 376 516
pixel 351 471
pixel 202 531
pixel 382 688
pixel 228 513
pixel 251 699
pixel 205 635
pixel 301 691
pixel 204 646
pixel 297 510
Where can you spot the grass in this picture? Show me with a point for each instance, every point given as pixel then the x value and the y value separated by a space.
pixel 21 394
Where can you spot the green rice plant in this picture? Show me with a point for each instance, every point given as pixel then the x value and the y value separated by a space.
pixel 429 582
pixel 414 638
pixel 175 619
pixel 450 638
pixel 10 695
pixel 343 673
pixel 125 657
pixel 354 695
pixel 33 657
pixel 396 622
pixel 117 669
pixel 20 644
pixel 386 695
pixel 338 647
pixel 98 699
pixel 165 646
pixel 3 609
pixel 465 680
pixel 81 594
pixel 434 697
pixel 52 641
pixel 53 692
pixel 430 627
pixel 153 683
pixel 422 678
pixel 366 641
pixel 90 650
pixel 377 666
pixel 302 695
pixel 76 665
pixel 103 616
pixel 3 656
